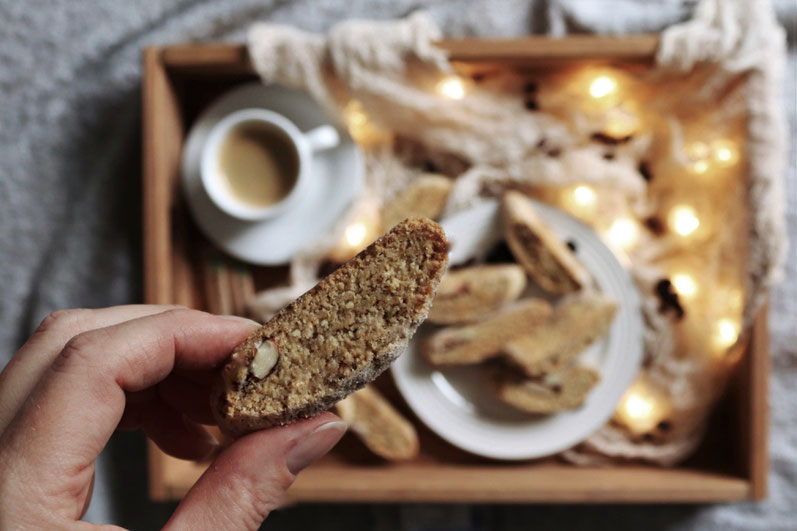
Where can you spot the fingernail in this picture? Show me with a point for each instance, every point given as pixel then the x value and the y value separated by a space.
pixel 315 445
pixel 240 319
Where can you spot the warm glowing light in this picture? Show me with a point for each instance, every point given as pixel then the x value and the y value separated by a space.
pixel 684 284
pixel 683 220
pixel 355 114
pixel 623 233
pixel 363 130
pixel 699 166
pixel 451 87
pixel 698 153
pixel 584 195
pixel 620 122
pixel 602 86
pixel 642 407
pixel 361 229
pixel 697 150
pixel 725 152
pixel 355 234
pixel 637 407
pixel 726 333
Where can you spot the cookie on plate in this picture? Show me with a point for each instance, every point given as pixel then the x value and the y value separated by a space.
pixel 338 336
pixel 545 257
pixel 566 388
pixel 377 423
pixel 425 196
pixel 475 343
pixel 576 323
pixel 472 293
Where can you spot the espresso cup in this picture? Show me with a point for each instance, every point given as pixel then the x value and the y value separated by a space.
pixel 256 163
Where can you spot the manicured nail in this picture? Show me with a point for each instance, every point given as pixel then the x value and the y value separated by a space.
pixel 240 320
pixel 313 446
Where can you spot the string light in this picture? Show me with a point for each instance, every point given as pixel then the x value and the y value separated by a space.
pixel 641 408
pixel 602 86
pixel 355 234
pixel 451 87
pixel 637 407
pixel 699 166
pixel 355 114
pixel 583 195
pixel 620 122
pixel 623 233
pixel 683 220
pixel 363 130
pixel 726 333
pixel 725 152
pixel 361 231
pixel 684 284
pixel 697 150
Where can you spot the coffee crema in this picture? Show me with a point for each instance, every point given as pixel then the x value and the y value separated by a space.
pixel 258 164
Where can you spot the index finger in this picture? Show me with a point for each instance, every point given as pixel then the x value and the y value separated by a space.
pixel 75 408
pixel 25 369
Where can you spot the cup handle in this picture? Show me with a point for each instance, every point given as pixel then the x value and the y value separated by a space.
pixel 322 138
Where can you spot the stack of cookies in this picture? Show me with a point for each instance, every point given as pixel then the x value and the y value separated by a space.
pixel 532 346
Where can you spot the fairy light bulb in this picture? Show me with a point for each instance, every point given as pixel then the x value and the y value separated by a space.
pixel 683 220
pixel 620 122
pixel 355 234
pixel 602 86
pixel 726 332
pixel 697 150
pixel 362 229
pixel 637 407
pixel 641 408
pixel 699 166
pixel 451 87
pixel 684 284
pixel 623 233
pixel 698 153
pixel 725 152
pixel 583 195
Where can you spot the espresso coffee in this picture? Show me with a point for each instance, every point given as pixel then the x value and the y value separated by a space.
pixel 258 164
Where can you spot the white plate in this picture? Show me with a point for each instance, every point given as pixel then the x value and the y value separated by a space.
pixel 457 404
pixel 335 182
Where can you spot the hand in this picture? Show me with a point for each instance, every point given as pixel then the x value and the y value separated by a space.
pixel 84 373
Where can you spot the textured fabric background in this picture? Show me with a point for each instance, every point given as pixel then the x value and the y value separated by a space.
pixel 70 215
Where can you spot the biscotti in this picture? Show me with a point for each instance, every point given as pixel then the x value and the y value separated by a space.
pixel 377 423
pixel 548 261
pixel 478 342
pixel 566 388
pixel 576 324
pixel 473 293
pixel 338 336
pixel 425 196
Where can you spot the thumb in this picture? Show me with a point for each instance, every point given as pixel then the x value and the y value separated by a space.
pixel 248 479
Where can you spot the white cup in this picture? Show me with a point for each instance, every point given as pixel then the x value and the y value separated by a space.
pixel 304 145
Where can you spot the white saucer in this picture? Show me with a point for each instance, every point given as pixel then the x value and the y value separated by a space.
pixel 457 404
pixel 336 181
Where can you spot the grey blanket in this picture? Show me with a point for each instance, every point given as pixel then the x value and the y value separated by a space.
pixel 70 214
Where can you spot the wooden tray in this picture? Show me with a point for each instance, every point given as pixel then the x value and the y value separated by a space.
pixel 732 463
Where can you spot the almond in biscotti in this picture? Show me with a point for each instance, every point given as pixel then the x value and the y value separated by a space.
pixel 338 336
pixel 473 293
pixel 547 260
pixel 478 342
